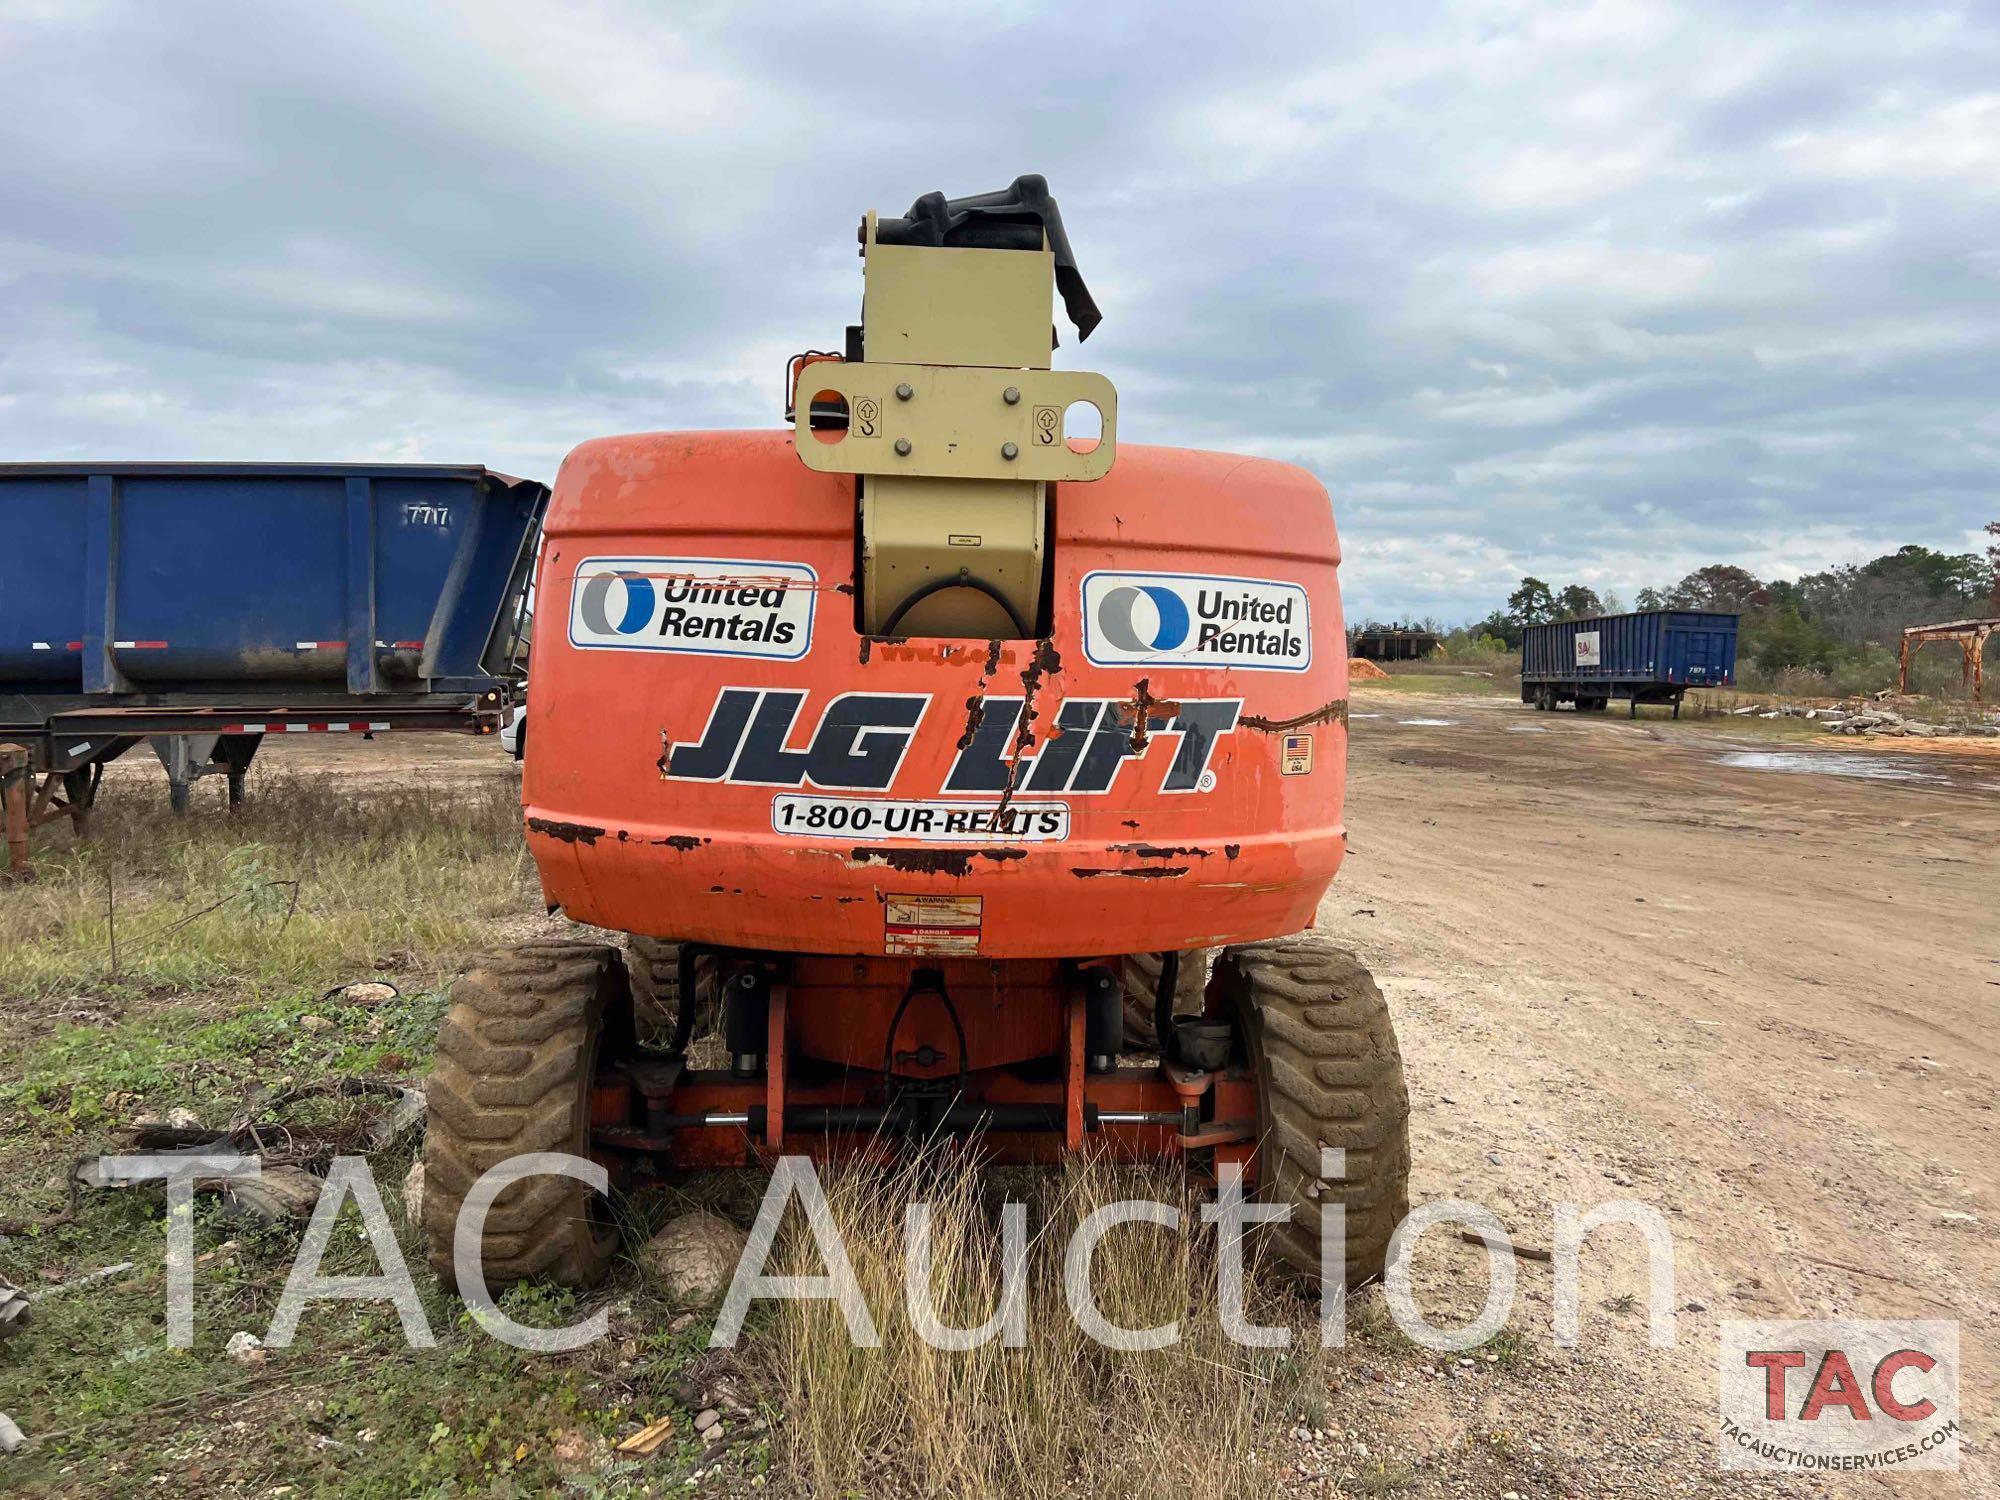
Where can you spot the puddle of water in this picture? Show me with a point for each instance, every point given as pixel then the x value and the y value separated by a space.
pixel 1527 729
pixel 1428 723
pixel 1364 716
pixel 1863 767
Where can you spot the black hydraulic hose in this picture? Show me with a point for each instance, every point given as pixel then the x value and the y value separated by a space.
pixel 684 1011
pixel 956 581
pixel 931 982
pixel 1163 1001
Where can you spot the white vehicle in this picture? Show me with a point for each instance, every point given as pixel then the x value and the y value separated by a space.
pixel 514 733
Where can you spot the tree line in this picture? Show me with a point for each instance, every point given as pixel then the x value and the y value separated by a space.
pixel 1843 625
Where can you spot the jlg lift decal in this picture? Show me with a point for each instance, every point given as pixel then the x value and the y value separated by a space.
pixel 1195 620
pixel 861 740
pixel 703 606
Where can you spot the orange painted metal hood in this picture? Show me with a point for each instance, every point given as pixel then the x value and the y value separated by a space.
pixel 716 753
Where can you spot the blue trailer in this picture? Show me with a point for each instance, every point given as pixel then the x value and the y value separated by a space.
pixel 201 606
pixel 1651 657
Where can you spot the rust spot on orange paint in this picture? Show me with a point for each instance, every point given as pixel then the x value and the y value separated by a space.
pixel 569 833
pixel 1330 713
pixel 1155 851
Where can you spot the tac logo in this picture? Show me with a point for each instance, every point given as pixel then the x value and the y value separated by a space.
pixel 1143 618
pixel 1195 620
pixel 1839 1395
pixel 704 606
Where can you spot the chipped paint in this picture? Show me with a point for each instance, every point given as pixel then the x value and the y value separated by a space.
pixel 1145 713
pixel 915 861
pixel 1155 851
pixel 931 861
pixel 1330 713
pixel 1046 661
pixel 569 833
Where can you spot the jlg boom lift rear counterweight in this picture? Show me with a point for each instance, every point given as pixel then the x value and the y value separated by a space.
pixel 917 734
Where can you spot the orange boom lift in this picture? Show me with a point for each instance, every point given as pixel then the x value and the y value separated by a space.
pixel 967 771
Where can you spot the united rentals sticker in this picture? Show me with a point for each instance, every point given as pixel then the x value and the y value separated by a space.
pixel 705 606
pixel 1195 620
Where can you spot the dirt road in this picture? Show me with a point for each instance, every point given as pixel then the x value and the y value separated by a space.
pixel 1761 1000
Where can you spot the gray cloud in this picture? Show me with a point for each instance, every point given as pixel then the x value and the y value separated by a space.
pixel 1601 291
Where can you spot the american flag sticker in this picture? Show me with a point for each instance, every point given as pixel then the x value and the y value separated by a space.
pixel 1298 754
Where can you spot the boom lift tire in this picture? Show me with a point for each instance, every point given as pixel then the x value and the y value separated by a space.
pixel 516 1055
pixel 1323 1048
pixel 1140 975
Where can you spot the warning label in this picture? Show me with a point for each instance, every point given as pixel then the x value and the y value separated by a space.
pixel 1298 755
pixel 932 924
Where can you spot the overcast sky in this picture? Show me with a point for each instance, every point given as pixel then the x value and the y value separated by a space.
pixel 1600 292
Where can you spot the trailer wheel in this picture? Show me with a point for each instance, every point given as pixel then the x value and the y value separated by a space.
pixel 654 965
pixel 1139 974
pixel 516 1055
pixel 1323 1048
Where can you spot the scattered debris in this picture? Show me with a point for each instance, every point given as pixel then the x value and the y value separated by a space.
pixel 279 1141
pixel 293 1152
pixel 14 1313
pixel 102 1273
pixel 647 1440
pixel 1525 1252
pixel 315 1023
pixel 276 1195
pixel 246 1348
pixel 361 992
pixel 1871 716
pixel 11 1437
pixel 694 1257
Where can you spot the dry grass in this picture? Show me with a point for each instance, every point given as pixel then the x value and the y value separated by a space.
pixel 1060 1415
pixel 306 880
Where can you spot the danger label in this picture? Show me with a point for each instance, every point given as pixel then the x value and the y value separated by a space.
pixel 932 924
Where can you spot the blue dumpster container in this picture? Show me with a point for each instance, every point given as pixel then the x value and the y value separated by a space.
pixel 226 601
pixel 178 578
pixel 1651 657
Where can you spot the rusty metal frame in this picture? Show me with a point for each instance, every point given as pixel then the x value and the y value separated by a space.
pixel 1970 636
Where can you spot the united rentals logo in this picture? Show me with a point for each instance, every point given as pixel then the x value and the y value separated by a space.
pixel 862 738
pixel 697 605
pixel 1143 619
pixel 1195 620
